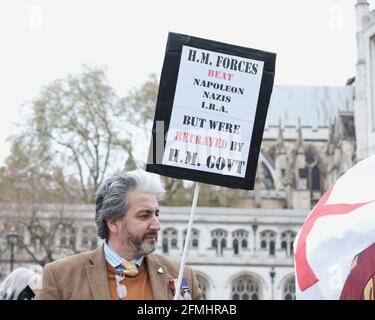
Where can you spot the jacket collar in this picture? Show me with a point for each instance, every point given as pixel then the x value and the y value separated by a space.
pixel 97 275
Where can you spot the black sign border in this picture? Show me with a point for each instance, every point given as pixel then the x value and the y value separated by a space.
pixel 164 106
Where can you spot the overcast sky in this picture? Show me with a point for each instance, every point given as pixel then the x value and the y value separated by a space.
pixel 44 40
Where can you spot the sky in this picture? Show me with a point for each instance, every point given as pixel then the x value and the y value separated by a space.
pixel 41 41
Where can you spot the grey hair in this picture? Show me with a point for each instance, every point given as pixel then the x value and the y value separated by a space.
pixel 112 200
pixel 16 281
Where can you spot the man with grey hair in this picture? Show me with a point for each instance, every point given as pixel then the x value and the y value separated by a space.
pixel 127 218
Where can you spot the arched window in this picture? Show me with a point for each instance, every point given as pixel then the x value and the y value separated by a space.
pixel 314 171
pixel 219 240
pixel 284 245
pixel 174 243
pixel 195 243
pixel 268 238
pixel 94 243
pixel 170 236
pixel 235 246
pixel 239 240
pixel 310 156
pixel 204 285
pixel 272 248
pixel 245 288
pixel 194 238
pixel 67 236
pixel 63 241
pixel 287 239
pixel 35 237
pixel 85 242
pixel 165 245
pixel 214 243
pixel 315 178
pixel 72 242
pixel 268 182
pixel 89 238
pixel 263 244
pixel 244 243
pixel 289 289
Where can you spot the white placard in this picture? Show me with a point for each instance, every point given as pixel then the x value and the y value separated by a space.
pixel 213 112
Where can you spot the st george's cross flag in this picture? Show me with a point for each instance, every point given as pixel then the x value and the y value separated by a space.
pixel 334 247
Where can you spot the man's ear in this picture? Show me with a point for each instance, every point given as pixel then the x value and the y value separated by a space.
pixel 112 224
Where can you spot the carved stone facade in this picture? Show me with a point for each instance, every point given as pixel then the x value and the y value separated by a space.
pixel 308 142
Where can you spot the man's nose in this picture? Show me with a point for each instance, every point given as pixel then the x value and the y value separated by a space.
pixel 155 224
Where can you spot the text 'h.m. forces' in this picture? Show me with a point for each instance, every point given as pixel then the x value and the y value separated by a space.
pixel 229 63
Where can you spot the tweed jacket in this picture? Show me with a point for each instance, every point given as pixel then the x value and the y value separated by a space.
pixel 84 277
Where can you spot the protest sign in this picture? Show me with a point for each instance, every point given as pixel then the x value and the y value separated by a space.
pixel 211 110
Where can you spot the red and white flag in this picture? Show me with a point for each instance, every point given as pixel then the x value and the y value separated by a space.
pixel 338 230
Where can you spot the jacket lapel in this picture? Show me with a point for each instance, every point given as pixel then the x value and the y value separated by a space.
pixel 159 281
pixel 97 275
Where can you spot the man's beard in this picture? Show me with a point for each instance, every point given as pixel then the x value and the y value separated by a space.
pixel 141 248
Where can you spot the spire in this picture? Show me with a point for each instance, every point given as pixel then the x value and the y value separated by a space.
pixel 362 9
pixel 288 172
pixel 280 140
pixel 258 186
pixel 300 148
pixel 330 142
pixel 333 132
pixel 288 182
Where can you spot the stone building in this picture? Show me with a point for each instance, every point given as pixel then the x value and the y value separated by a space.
pixel 308 142
pixel 237 253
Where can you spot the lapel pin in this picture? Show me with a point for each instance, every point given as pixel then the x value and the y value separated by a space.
pixel 160 270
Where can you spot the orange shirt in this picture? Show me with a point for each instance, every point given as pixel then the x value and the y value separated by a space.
pixel 138 287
